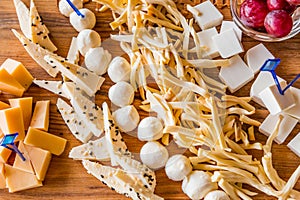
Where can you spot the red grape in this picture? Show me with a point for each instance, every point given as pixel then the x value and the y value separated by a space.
pixel 294 2
pixel 277 4
pixel 253 13
pixel 278 23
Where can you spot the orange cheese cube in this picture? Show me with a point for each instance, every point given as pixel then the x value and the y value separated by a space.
pixel 3 105
pixel 26 106
pixel 40 117
pixel 40 160
pixel 18 71
pixel 17 180
pixel 2 176
pixel 47 141
pixel 11 121
pixel 9 84
pixel 19 163
pixel 4 154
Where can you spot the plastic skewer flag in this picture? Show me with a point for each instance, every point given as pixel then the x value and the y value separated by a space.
pixel 270 66
pixel 8 142
pixel 75 9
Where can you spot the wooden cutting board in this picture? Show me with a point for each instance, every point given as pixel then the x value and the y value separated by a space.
pixel 66 178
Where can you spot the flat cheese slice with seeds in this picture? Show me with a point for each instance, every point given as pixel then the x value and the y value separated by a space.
pixel 85 79
pixel 146 175
pixel 93 150
pixel 38 53
pixel 115 142
pixel 120 181
pixel 39 31
pixel 75 125
pixel 52 86
pixel 23 17
pixel 86 110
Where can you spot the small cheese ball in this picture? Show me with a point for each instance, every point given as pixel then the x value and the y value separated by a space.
pixel 127 118
pixel 217 195
pixel 178 167
pixel 66 9
pixel 87 39
pixel 80 23
pixel 119 70
pixel 198 184
pixel 149 129
pixel 154 155
pixel 121 94
pixel 97 60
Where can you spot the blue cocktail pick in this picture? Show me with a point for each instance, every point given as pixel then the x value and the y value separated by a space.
pixel 75 9
pixel 270 66
pixel 8 141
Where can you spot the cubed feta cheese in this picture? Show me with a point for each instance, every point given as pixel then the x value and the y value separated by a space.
pixel 230 24
pixel 236 75
pixel 274 101
pixel 294 145
pixel 209 16
pixel 285 128
pixel 256 57
pixel 263 80
pixel 295 110
pixel 227 43
pixel 206 41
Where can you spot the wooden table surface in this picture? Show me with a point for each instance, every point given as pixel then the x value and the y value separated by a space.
pixel 66 178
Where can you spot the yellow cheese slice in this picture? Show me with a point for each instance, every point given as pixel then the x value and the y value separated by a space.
pixel 40 160
pixel 2 176
pixel 9 84
pixel 47 141
pixel 26 106
pixel 17 180
pixel 18 71
pixel 40 116
pixel 4 154
pixel 11 121
pixel 39 32
pixel 3 105
pixel 19 163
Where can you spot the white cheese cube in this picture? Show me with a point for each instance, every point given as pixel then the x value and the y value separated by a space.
pixel 295 110
pixel 294 145
pixel 205 38
pixel 230 24
pixel 209 16
pixel 256 57
pixel 274 101
pixel 262 81
pixel 236 75
pixel 285 128
pixel 227 43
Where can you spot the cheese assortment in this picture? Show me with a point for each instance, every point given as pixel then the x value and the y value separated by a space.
pixel 182 86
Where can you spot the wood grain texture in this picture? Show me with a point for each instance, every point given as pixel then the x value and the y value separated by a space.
pixel 67 179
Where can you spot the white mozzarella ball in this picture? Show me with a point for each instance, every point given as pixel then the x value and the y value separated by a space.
pixel 198 184
pixel 119 70
pixel 66 9
pixel 217 195
pixel 178 167
pixel 97 60
pixel 149 129
pixel 126 118
pixel 154 155
pixel 121 94
pixel 80 23
pixel 87 39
